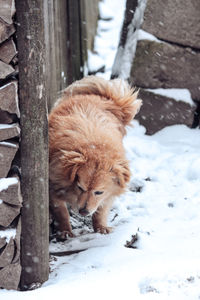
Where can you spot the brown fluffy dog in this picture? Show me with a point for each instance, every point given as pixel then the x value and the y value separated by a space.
pixel 88 167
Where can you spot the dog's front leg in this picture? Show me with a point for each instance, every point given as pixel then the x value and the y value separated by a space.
pixel 99 218
pixel 62 219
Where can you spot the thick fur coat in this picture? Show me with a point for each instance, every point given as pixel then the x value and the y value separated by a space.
pixel 87 163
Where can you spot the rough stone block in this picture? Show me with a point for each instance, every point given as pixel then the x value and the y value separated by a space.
pixel 9 131
pixel 2 242
pixel 161 65
pixel 159 111
pixel 8 213
pixel 6 118
pixel 7 51
pixel 175 21
pixel 17 242
pixel 10 191
pixel 6 30
pixel 10 276
pixel 7 153
pixel 9 98
pixel 7 10
pixel 7 254
pixel 5 70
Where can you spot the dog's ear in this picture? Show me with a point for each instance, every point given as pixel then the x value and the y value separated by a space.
pixel 72 160
pixel 121 173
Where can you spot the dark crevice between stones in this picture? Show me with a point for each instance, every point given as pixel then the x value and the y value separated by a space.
pixel 178 44
pixel 196 121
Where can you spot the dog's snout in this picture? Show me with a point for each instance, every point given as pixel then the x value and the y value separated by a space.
pixel 84 212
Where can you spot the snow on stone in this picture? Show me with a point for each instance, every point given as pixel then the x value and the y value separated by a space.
pixel 125 56
pixel 177 94
pixel 8 144
pixel 7 126
pixel 6 182
pixel 95 62
pixel 144 35
pixel 8 234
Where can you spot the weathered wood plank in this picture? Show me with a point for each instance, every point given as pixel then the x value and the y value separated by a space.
pixel 9 131
pixel 33 86
pixel 7 51
pixel 9 92
pixel 7 153
pixel 10 191
pixel 75 59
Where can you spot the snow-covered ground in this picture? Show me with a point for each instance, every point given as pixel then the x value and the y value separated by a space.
pixel 161 206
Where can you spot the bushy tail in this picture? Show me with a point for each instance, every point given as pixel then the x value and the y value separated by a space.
pixel 123 99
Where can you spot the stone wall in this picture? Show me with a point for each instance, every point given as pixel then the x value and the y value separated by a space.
pixel 10 195
pixel 168 57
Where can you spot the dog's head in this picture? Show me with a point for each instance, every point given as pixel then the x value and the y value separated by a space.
pixel 93 179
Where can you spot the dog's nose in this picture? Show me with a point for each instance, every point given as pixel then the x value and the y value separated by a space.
pixel 84 212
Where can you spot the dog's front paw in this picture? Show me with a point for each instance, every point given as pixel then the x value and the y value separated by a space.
pixel 63 236
pixel 103 229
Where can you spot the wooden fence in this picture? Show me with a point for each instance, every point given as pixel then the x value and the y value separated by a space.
pixel 52 40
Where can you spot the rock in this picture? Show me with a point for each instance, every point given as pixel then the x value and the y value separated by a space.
pixel 159 111
pixel 10 191
pixel 7 254
pixel 7 153
pixel 161 65
pixel 5 31
pixel 2 242
pixel 17 242
pixel 7 51
pixel 8 213
pixel 6 118
pixel 7 10
pixel 9 99
pixel 10 276
pixel 9 131
pixel 5 70
pixel 175 21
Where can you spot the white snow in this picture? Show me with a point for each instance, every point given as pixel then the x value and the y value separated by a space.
pixel 107 38
pixel 162 205
pixel 144 35
pixel 166 216
pixel 95 62
pixel 124 58
pixel 8 234
pixel 6 182
pixel 177 94
pixel 8 144
pixel 8 126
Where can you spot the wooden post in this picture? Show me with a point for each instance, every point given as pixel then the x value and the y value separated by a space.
pixel 32 37
pixel 75 41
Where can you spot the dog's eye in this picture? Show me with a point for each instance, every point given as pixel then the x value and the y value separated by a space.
pixel 98 192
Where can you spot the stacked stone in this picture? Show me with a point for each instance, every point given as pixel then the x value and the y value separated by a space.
pixel 168 59
pixel 10 196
